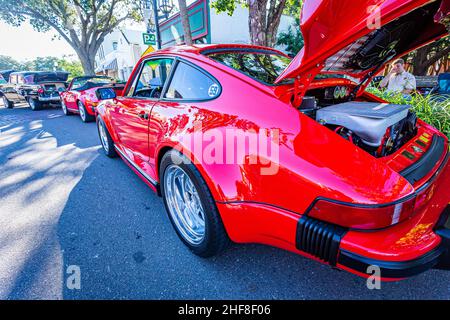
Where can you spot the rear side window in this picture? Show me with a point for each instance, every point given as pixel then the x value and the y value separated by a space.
pixel 265 67
pixel 189 83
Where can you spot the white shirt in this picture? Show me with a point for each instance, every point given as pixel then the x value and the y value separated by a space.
pixel 401 82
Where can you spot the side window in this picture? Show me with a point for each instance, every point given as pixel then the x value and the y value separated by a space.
pixel 189 83
pixel 13 78
pixel 151 81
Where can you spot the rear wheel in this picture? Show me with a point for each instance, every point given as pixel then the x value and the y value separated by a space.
pixel 64 109
pixel 105 139
pixel 191 207
pixel 85 117
pixel 7 104
pixel 34 104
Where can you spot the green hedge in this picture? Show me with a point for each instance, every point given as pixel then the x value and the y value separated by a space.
pixel 434 110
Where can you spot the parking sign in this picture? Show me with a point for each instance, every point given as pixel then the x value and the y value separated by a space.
pixel 149 39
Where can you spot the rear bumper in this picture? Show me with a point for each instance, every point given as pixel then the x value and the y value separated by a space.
pixel 436 258
pixel 50 99
pixel 406 249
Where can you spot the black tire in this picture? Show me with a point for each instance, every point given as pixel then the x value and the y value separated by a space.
pixel 216 238
pixel 108 145
pixel 85 117
pixel 64 109
pixel 7 104
pixel 34 104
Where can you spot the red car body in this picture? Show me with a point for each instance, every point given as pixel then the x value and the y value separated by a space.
pixel 88 97
pixel 326 190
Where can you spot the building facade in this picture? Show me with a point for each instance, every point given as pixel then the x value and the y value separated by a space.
pixel 119 53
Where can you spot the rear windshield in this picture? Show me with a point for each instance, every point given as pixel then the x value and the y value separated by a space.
pixel 264 66
pixel 82 84
pixel 54 76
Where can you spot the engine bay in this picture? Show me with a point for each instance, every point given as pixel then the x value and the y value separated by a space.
pixel 378 128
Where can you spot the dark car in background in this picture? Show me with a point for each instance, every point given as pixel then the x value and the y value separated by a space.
pixel 442 90
pixel 37 88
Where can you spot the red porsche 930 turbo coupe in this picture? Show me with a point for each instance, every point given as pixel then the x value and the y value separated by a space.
pixel 244 144
pixel 81 98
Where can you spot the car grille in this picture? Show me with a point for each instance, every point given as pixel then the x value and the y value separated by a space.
pixel 319 239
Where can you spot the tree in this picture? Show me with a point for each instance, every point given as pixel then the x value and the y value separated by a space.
pixel 8 63
pixel 264 17
pixel 428 56
pixel 292 39
pixel 74 67
pixel 185 22
pixel 84 24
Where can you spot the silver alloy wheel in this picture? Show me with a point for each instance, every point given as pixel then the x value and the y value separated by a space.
pixel 32 103
pixel 184 204
pixel 64 107
pixel 103 136
pixel 82 111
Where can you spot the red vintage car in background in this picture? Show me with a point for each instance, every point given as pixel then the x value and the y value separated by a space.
pixel 355 182
pixel 81 98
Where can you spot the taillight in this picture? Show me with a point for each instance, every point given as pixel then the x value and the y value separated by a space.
pixel 40 91
pixel 362 216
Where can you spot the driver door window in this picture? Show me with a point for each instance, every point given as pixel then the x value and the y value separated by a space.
pixel 150 82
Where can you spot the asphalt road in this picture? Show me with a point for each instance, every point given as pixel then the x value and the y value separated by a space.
pixel 63 203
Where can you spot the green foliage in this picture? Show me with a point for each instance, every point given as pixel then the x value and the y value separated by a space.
pixel 43 64
pixel 227 6
pixel 8 63
pixel 292 8
pixel 74 67
pixel 292 39
pixel 434 110
pixel 68 14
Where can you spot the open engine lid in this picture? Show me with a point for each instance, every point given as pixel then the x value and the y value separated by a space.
pixel 356 37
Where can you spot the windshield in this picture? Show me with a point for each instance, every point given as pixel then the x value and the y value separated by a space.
pixel 264 66
pixel 81 84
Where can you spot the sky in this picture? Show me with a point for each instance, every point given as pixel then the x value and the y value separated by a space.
pixel 23 43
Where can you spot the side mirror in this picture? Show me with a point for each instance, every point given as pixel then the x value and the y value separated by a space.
pixel 105 93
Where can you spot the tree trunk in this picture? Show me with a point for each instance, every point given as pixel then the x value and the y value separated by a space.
pixel 257 22
pixel 276 8
pixel 87 61
pixel 185 22
pixel 420 62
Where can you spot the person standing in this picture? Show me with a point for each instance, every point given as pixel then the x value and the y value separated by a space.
pixel 399 80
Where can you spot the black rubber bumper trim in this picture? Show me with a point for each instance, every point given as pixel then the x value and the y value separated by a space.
pixel 436 258
pixel 425 164
pixel 392 269
pixel 319 239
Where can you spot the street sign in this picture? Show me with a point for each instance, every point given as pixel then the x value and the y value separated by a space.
pixel 149 39
pixel 149 50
